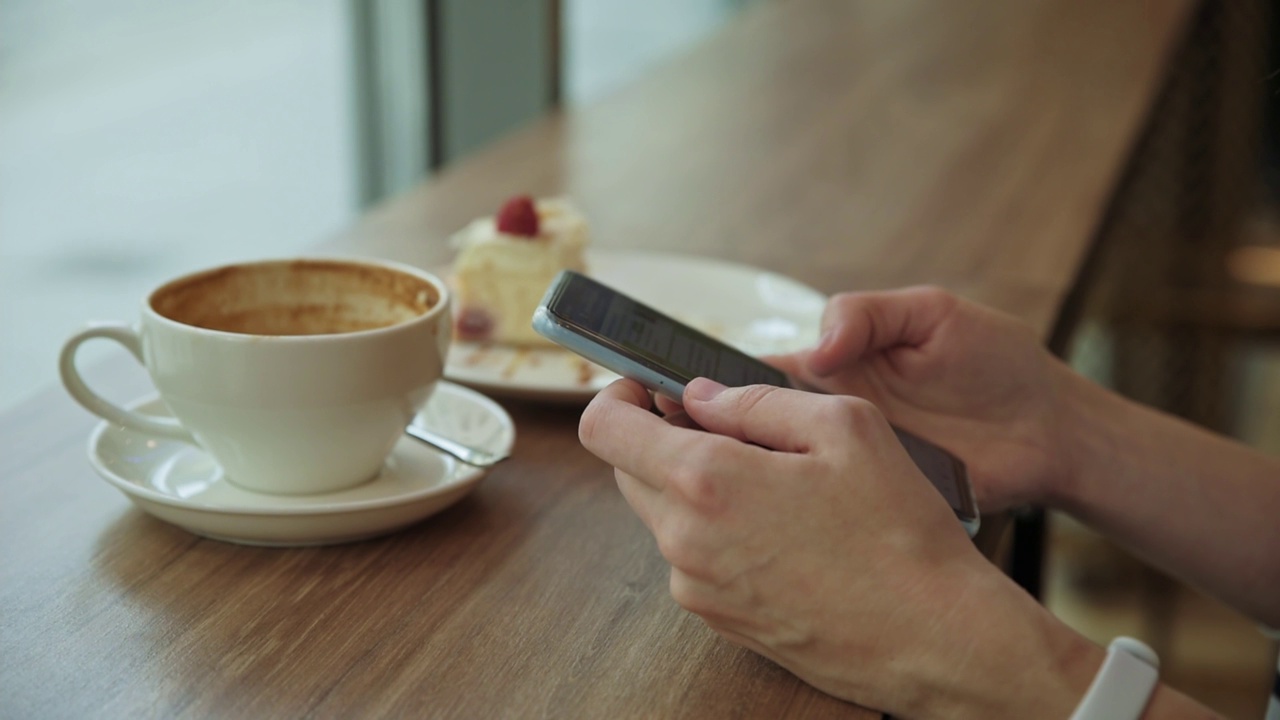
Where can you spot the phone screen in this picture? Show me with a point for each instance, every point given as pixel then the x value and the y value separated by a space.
pixel 650 335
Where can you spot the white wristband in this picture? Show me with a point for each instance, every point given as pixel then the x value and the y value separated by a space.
pixel 1123 685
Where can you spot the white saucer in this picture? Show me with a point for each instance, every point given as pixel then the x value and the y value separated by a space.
pixel 180 484
pixel 756 311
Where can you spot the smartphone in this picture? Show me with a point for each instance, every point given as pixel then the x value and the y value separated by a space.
pixel 663 354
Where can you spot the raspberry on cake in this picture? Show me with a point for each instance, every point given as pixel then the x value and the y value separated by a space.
pixel 505 264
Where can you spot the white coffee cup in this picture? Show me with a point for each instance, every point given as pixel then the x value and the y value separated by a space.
pixel 297 376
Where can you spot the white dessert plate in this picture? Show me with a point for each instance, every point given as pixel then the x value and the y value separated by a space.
pixel 180 484
pixel 756 311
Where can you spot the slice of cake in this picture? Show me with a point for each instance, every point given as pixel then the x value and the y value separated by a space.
pixel 505 264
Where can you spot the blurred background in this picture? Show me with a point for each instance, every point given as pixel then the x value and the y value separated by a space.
pixel 144 138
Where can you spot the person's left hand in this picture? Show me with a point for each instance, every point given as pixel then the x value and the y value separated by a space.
pixel 797 526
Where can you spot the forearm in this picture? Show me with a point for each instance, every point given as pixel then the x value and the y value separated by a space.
pixel 1201 507
pixel 1169 704
pixel 1012 658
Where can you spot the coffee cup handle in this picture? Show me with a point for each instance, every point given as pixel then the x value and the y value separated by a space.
pixel 95 403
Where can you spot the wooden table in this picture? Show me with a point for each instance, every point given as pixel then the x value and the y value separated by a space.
pixel 848 144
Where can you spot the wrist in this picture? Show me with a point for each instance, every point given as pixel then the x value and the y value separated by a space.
pixel 1006 657
pixel 1087 417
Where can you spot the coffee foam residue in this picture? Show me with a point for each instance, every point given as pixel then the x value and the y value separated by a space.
pixel 297 297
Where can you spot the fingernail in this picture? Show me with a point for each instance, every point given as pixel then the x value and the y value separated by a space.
pixel 703 389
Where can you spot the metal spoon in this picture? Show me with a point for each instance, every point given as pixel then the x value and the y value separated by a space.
pixel 465 453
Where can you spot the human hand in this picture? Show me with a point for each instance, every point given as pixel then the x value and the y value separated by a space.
pixel 970 379
pixel 797 526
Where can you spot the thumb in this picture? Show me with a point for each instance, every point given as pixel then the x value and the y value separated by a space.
pixel 776 418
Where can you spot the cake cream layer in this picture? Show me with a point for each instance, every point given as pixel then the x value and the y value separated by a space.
pixel 498 279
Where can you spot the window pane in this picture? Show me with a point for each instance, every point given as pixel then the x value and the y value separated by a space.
pixel 610 42
pixel 143 138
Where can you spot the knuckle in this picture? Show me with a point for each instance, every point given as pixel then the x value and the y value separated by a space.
pixel 696 479
pixel 670 548
pixel 695 596
pixel 678 544
pixel 843 301
pixel 937 295
pixel 854 414
pixel 687 594
pixel 751 400
pixel 839 307
pixel 693 484
pixel 750 396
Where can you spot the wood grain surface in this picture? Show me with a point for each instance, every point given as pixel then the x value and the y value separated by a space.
pixel 972 144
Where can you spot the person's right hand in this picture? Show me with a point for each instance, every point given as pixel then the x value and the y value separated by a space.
pixel 970 379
